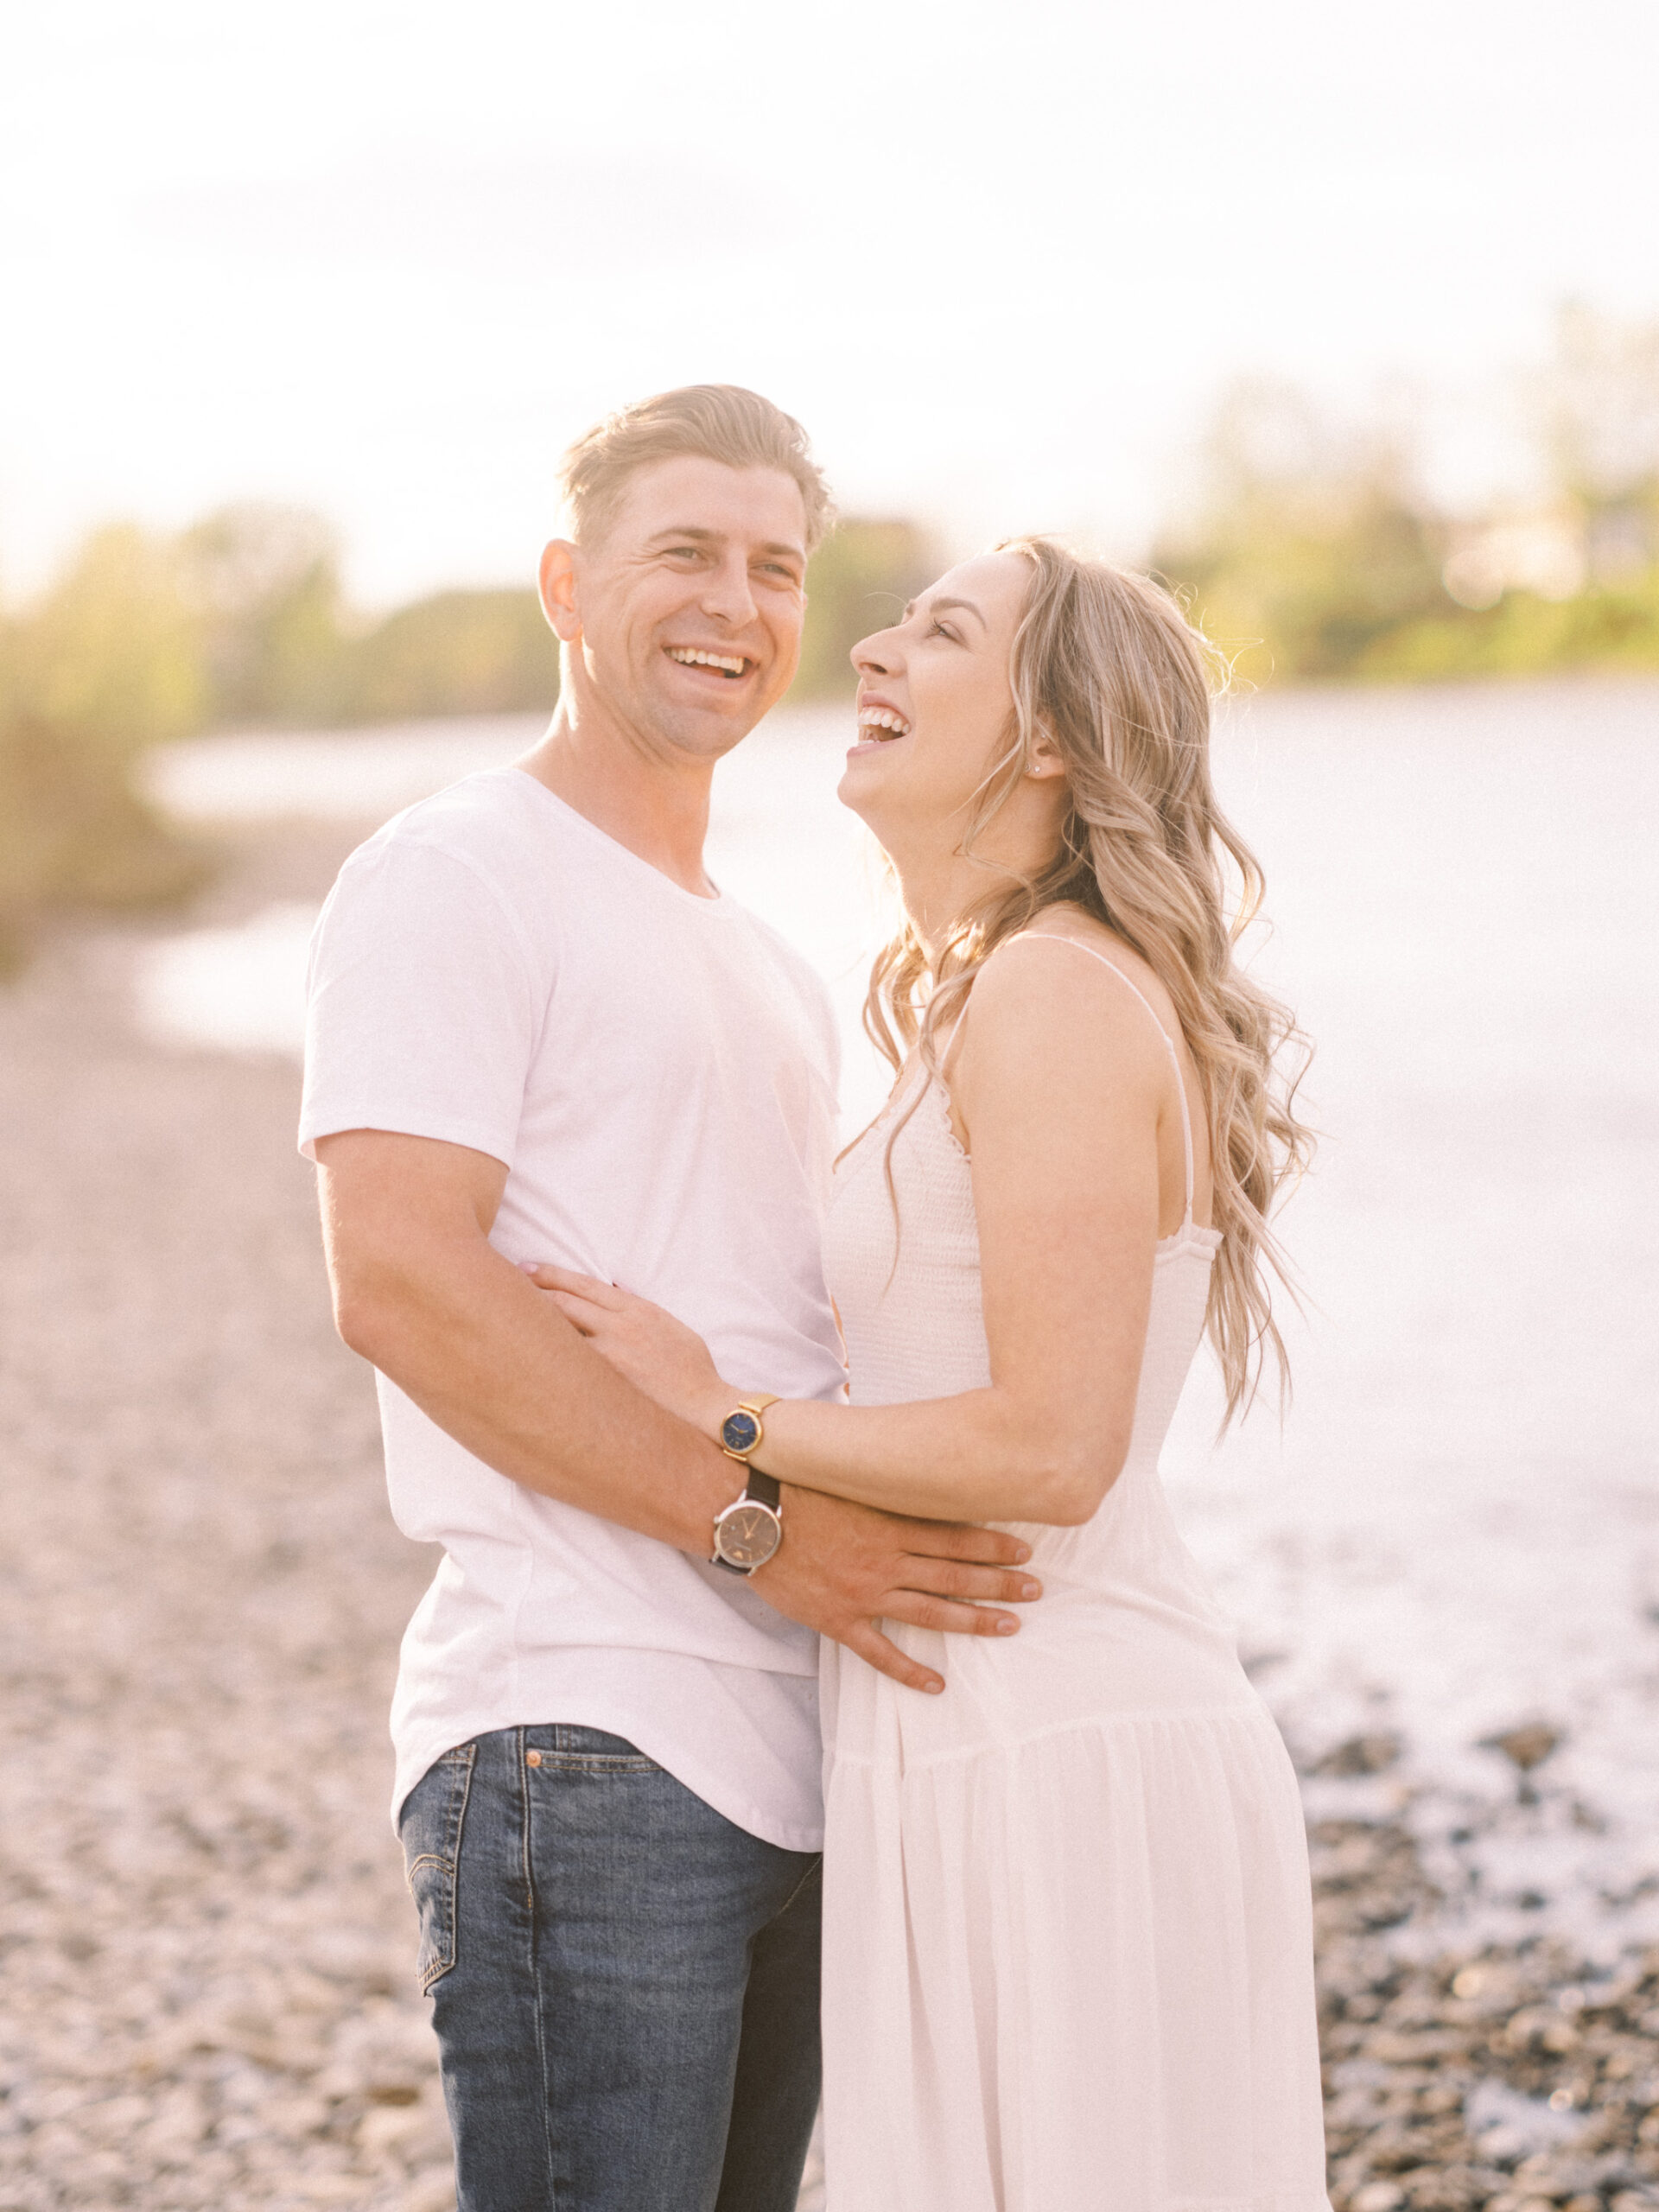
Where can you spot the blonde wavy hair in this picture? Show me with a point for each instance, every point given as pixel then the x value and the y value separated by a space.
pixel 1107 666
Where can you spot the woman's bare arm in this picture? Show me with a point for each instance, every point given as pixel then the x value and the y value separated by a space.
pixel 1066 1095
pixel 420 1291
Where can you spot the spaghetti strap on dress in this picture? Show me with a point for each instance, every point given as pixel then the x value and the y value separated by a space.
pixel 1068 1951
pixel 1089 952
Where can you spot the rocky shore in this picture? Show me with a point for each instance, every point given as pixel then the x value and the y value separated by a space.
pixel 1513 2079
pixel 205 1949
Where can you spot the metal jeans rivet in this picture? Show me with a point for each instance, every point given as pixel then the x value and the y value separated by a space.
pixel 533 1758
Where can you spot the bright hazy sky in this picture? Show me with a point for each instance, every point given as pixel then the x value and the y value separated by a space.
pixel 387 259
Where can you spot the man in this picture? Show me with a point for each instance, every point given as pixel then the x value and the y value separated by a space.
pixel 538 1032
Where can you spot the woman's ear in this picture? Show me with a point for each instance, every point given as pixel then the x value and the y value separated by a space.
pixel 1043 760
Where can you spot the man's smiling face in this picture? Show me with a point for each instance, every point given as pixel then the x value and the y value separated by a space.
pixel 689 604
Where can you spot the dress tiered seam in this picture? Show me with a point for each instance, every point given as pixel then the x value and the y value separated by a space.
pixel 1251 1715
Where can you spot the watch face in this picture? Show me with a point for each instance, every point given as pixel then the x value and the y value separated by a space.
pixel 740 1432
pixel 748 1535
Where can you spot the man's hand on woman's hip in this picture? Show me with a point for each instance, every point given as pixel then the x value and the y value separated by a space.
pixel 844 1568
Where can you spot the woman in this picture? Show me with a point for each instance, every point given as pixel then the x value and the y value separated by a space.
pixel 1067 1942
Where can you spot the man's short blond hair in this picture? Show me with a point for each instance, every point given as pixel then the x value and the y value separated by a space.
pixel 718 422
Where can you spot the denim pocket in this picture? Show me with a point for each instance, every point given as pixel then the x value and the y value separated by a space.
pixel 429 1829
pixel 569 1750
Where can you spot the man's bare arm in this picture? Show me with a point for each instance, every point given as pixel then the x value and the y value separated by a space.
pixel 421 1292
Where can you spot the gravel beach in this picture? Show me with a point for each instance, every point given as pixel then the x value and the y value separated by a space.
pixel 208 1985
pixel 207 1945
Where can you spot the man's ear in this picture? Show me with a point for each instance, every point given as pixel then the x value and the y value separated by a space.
pixel 557 580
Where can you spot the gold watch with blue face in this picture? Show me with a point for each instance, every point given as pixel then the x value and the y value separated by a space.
pixel 748 1531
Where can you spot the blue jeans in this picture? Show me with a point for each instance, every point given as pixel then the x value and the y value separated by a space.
pixel 625 1985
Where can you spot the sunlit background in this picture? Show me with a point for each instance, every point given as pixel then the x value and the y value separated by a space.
pixel 385 261
pixel 1347 322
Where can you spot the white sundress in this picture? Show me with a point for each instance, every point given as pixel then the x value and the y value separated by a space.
pixel 1068 1954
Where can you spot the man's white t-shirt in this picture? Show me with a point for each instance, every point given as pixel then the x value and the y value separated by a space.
pixel 657 1072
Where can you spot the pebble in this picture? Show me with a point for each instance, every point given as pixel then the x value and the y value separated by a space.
pixel 206 1948
pixel 1409 2040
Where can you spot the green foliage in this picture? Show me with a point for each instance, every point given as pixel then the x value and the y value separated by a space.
pixel 1314 554
pixel 240 620
pixel 264 584
pixel 1525 634
pixel 282 646
pixel 459 652
pixel 860 580
pixel 112 647
pixel 107 664
pixel 1308 587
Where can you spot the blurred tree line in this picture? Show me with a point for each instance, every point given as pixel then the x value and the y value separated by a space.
pixel 241 621
pixel 1314 553
pixel 107 663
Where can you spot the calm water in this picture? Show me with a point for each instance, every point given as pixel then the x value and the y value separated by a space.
pixel 1457 1529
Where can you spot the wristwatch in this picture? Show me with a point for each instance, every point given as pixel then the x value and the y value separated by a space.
pixel 748 1531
